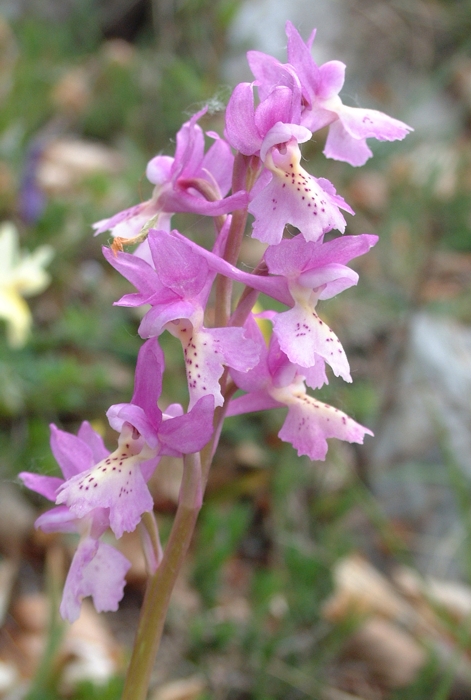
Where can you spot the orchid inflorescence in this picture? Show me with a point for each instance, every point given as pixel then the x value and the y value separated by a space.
pixel 231 366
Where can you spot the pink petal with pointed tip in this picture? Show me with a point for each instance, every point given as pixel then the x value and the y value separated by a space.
pixel 44 485
pixel 72 454
pixel 93 440
pixel 241 131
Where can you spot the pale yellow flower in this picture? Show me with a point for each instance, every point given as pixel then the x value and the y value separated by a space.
pixel 22 274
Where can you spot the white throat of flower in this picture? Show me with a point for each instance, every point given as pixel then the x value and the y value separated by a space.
pixel 131 451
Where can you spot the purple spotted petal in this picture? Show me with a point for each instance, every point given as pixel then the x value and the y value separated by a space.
pixel 346 139
pixel 303 336
pixel 116 483
pixel 293 196
pixel 310 422
pixel 208 351
pixel 369 123
pixel 315 376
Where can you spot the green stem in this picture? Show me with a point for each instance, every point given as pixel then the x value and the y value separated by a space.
pixel 160 585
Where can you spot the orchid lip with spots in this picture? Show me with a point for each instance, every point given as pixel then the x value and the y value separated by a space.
pixel 115 483
pixel 293 196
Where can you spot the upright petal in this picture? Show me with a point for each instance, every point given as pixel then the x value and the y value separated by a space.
pixel 188 433
pixel 299 56
pixel 241 130
pixel 217 165
pixel 95 442
pixel 71 453
pixel 148 380
pixel 190 147
pixel 281 105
